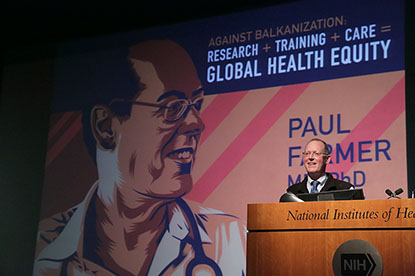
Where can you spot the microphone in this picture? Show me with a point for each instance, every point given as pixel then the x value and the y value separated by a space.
pixel 395 194
pixel 290 197
pixel 389 192
pixel 398 191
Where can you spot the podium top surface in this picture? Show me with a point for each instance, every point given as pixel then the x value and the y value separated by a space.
pixel 350 214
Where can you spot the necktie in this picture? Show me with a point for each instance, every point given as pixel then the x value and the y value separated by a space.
pixel 314 188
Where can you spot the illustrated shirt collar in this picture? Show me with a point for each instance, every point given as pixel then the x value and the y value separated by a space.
pixel 71 240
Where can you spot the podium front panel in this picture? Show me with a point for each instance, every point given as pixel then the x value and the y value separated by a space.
pixel 280 245
pixel 311 252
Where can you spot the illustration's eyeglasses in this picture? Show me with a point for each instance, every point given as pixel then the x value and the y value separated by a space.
pixel 313 153
pixel 173 110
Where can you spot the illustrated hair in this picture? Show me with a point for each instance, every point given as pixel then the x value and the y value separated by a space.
pixel 117 81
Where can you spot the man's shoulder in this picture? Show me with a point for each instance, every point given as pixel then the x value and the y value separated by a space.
pixel 223 236
pixel 212 220
pixel 339 184
pixel 298 188
pixel 50 228
pixel 210 214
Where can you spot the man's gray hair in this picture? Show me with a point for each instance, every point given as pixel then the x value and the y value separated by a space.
pixel 326 146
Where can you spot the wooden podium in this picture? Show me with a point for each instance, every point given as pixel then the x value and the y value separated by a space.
pixel 301 238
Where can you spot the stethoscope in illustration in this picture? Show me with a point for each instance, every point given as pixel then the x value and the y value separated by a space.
pixel 200 257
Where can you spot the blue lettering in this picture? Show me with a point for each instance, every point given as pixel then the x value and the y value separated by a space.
pixel 384 149
pixel 349 152
pixel 344 177
pixel 291 181
pixel 320 120
pixel 339 130
pixel 309 127
pixel 330 151
pixel 363 151
pixel 356 177
pixel 359 177
pixel 291 155
pixel 295 124
pixel 325 126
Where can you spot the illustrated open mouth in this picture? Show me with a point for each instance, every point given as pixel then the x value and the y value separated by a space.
pixel 183 154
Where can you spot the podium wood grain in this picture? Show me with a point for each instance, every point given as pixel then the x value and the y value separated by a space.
pixel 280 245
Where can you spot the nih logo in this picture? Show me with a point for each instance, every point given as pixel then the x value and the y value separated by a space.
pixel 357 264
pixel 357 258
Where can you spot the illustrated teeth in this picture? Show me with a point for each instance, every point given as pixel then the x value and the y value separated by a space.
pixel 181 153
pixel 184 155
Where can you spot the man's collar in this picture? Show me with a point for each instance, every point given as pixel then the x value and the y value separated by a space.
pixel 322 179
pixel 70 240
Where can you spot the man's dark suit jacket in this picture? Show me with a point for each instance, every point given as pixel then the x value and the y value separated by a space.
pixel 331 185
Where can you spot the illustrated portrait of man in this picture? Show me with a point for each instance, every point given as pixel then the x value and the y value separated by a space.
pixel 134 219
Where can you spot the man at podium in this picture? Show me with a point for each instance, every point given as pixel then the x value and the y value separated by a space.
pixel 316 157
